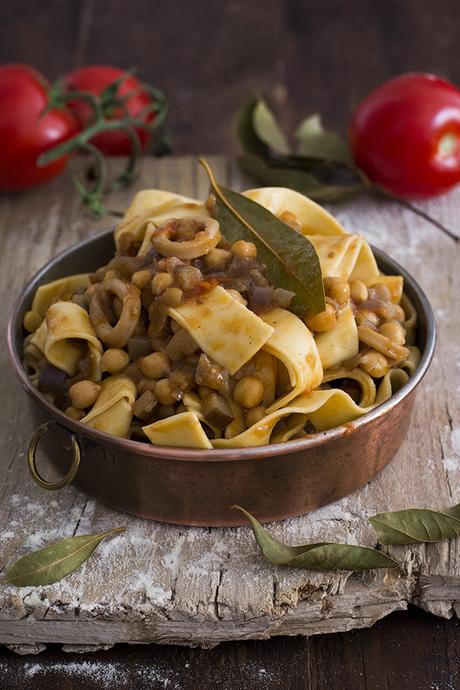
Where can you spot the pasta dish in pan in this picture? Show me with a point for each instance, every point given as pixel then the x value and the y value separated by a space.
pixel 183 340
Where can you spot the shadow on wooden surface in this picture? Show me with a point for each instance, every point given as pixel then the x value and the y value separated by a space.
pixel 405 651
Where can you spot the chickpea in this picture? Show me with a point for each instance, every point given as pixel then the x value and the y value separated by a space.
pixel 254 415
pixel 83 394
pixel 146 385
pixel 323 321
pixel 74 414
pixel 374 364
pixel 171 297
pixel 394 332
pixel 188 277
pixel 366 317
pixel 169 264
pixel 245 250
pixel 380 291
pixel 398 313
pixel 216 259
pixel 238 296
pixel 337 289
pixel 114 360
pixel 161 282
pixel 249 391
pixel 141 278
pixel 358 291
pixel 156 366
pixel 32 320
pixel 163 392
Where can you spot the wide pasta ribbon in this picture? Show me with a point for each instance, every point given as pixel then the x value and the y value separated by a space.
pixel 58 290
pixel 340 254
pixel 312 218
pixel 181 430
pixel 293 345
pixel 113 410
pixel 325 409
pixel 345 256
pixel 224 328
pixel 65 336
pixel 341 342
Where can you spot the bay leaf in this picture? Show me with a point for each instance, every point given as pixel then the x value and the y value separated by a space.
pixel 416 525
pixel 297 178
pixel 267 128
pixel 246 134
pixel 290 259
pixel 314 141
pixel 323 556
pixel 50 564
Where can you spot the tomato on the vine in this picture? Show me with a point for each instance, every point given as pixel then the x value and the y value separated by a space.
pixel 26 130
pixel 95 79
pixel 406 135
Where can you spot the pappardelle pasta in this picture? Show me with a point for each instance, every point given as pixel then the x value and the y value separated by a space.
pixel 180 340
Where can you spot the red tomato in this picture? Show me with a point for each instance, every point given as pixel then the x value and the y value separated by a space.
pixel 405 135
pixel 25 132
pixel 94 79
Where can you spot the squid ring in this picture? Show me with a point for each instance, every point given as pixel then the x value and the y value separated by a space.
pixel 207 236
pixel 129 295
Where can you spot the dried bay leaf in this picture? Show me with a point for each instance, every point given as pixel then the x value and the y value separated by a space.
pixel 416 525
pixel 313 141
pixel 50 564
pixel 322 556
pixel 267 128
pixel 297 178
pixel 289 258
pixel 321 169
pixel 245 131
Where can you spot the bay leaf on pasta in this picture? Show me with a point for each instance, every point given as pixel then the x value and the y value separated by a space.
pixel 290 260
pixel 50 564
pixel 323 556
pixel 416 525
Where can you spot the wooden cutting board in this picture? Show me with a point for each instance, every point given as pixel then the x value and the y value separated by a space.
pixel 200 586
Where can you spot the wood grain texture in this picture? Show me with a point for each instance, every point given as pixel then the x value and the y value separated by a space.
pixel 203 586
pixel 307 56
pixel 375 659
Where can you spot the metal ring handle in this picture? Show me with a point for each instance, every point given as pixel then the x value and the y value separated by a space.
pixel 32 462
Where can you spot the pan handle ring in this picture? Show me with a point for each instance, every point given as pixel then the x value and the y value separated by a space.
pixel 32 461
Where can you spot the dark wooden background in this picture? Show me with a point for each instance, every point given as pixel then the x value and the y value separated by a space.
pixel 307 56
pixel 315 55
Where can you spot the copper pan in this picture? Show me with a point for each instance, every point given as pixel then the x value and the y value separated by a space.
pixel 198 487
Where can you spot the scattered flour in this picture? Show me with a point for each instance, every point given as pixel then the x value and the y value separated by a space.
pixel 107 675
pixel 451 464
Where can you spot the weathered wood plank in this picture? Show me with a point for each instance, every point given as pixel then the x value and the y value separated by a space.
pixel 201 586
